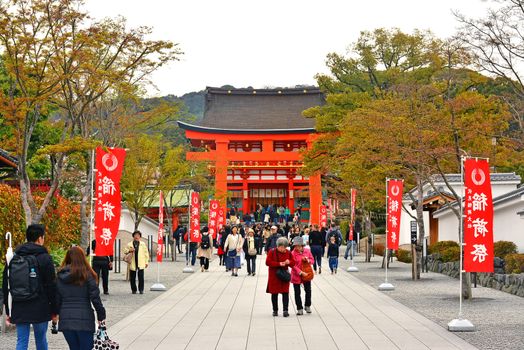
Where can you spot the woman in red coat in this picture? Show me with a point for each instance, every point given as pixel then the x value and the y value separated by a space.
pixel 279 258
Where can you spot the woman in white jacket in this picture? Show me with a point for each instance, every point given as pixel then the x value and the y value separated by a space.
pixel 232 248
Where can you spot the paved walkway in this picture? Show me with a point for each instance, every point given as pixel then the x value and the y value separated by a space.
pixel 216 311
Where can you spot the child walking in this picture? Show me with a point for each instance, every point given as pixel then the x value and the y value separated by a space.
pixel 333 254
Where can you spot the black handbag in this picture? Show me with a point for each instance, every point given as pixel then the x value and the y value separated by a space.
pixel 282 272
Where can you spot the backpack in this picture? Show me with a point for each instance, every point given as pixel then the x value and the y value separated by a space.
pixel 24 277
pixel 205 242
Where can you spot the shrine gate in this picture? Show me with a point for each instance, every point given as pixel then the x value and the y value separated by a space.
pixel 252 139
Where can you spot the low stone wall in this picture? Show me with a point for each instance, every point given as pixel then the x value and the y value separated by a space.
pixel 513 284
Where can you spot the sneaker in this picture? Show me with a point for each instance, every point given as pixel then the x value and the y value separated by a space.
pixel 308 309
pixel 134 292
pixel 300 312
pixel 201 268
pixel 141 292
pixel 335 270
pixel 332 272
pixel 275 313
pixel 319 270
pixel 106 293
pixel 253 273
pixel 286 314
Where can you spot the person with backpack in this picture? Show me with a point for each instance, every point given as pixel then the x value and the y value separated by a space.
pixel 333 253
pixel 334 232
pixel 77 291
pixel 205 249
pixel 30 281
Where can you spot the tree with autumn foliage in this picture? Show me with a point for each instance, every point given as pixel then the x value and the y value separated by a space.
pixel 406 106
pixel 60 61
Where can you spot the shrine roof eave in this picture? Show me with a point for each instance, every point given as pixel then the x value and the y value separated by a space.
pixel 204 129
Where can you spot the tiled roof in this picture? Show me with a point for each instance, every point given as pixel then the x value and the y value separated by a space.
pixel 509 195
pixel 239 109
pixel 495 177
pixel 496 201
pixel 6 156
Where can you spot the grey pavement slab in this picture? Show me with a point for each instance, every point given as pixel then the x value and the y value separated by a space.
pixel 213 310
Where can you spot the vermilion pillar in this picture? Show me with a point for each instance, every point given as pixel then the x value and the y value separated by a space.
pixel 315 198
pixel 221 164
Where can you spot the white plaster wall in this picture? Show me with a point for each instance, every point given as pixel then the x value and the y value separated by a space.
pixel 405 222
pixel 507 225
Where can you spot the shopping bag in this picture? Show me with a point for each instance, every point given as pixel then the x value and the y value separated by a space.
pixel 102 341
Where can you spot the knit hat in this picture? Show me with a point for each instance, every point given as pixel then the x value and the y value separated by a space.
pixel 298 241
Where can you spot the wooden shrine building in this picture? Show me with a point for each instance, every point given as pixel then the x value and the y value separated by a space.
pixel 252 139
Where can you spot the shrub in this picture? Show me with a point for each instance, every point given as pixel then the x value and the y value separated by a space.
pixel 404 256
pixel 378 249
pixel 503 248
pixel 514 263
pixel 450 254
pixel 442 245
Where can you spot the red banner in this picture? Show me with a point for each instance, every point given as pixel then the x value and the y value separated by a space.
pixel 353 204
pixel 478 217
pixel 221 218
pixel 194 224
pixel 323 216
pixel 160 238
pixel 109 166
pixel 394 208
pixel 213 218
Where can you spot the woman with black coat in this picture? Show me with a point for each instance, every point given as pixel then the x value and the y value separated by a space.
pixel 77 294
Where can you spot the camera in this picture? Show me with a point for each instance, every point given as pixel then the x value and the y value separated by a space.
pixel 54 329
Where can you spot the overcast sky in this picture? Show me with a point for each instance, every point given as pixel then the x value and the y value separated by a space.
pixel 270 42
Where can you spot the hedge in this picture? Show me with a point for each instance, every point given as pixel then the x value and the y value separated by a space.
pixel 404 256
pixel 503 248
pixel 514 263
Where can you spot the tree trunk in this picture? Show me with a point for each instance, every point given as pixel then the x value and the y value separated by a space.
pixel 420 222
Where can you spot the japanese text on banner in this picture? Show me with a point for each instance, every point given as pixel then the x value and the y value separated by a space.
pixel 353 204
pixel 194 225
pixel 478 217
pixel 394 209
pixel 323 216
pixel 109 166
pixel 160 238
pixel 213 218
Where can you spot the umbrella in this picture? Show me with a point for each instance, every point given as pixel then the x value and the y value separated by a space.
pixel 8 257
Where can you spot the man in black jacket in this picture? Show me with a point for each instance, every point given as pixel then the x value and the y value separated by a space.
pixel 102 265
pixel 40 310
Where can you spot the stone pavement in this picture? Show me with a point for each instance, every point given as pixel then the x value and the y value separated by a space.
pixel 119 303
pixel 214 310
pixel 498 324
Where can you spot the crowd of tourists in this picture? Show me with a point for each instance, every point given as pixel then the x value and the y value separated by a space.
pixel 293 255
pixel 39 294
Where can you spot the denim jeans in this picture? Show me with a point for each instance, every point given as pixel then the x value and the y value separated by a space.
pixel 192 250
pixel 333 262
pixel 79 340
pixel 24 329
pixel 350 245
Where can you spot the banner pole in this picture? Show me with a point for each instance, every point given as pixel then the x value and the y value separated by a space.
pixel 459 324
pixel 93 172
pixel 386 285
